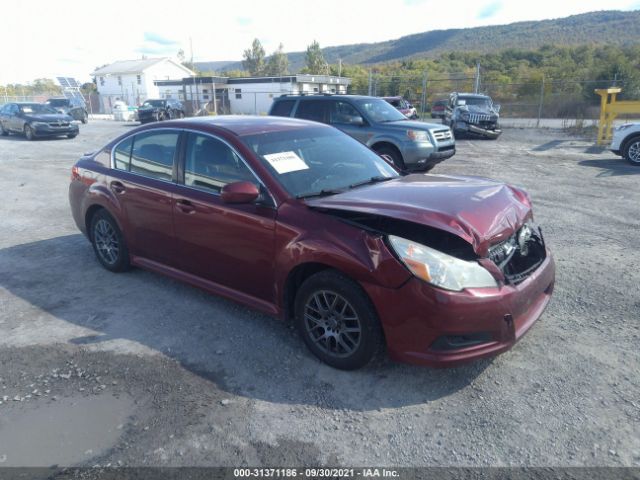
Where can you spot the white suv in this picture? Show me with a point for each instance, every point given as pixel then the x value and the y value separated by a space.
pixel 626 142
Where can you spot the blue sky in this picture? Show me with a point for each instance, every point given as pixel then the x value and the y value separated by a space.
pixel 221 30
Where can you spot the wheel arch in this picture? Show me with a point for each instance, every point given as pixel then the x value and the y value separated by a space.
pixel 631 137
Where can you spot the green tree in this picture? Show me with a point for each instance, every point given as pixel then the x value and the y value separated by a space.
pixel 253 59
pixel 278 64
pixel 315 61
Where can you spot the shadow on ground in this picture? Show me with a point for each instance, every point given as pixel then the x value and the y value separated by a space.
pixel 241 351
pixel 611 167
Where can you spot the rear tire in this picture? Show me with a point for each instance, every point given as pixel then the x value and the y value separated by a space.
pixel 28 132
pixel 108 242
pixel 631 151
pixel 393 154
pixel 3 132
pixel 337 321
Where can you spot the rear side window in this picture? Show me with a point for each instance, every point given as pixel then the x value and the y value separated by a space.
pixel 312 110
pixel 122 154
pixel 283 108
pixel 153 153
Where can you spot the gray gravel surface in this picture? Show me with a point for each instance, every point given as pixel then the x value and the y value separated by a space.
pixel 136 369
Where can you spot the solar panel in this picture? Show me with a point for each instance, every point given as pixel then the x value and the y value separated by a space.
pixel 68 82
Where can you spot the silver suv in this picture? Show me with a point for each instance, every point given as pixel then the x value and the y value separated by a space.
pixel 413 145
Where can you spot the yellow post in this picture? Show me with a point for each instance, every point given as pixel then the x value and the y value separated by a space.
pixel 610 108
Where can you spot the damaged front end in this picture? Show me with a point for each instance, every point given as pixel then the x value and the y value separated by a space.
pixel 449 261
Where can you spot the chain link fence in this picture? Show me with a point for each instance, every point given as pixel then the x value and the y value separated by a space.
pixel 532 101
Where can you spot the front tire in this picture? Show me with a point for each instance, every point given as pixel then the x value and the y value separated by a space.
pixel 108 243
pixel 29 133
pixel 631 151
pixel 337 321
pixel 393 154
pixel 85 118
pixel 3 132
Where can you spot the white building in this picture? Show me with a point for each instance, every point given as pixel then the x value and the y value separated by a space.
pixel 246 95
pixel 133 81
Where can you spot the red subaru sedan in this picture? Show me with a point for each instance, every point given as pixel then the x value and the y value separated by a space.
pixel 299 220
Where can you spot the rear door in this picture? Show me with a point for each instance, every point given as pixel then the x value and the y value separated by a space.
pixel 229 244
pixel 316 110
pixel 143 181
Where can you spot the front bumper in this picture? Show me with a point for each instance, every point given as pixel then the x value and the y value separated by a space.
pixel 423 156
pixel 47 130
pixel 491 132
pixel 416 316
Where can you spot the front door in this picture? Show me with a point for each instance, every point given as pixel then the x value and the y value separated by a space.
pixel 231 245
pixel 345 117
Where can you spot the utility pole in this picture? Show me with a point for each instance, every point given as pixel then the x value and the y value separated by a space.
pixel 424 94
pixel 477 86
pixel 339 67
pixel 541 102
pixel 370 83
pixel 196 104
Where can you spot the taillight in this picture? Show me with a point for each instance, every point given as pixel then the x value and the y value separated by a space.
pixel 75 173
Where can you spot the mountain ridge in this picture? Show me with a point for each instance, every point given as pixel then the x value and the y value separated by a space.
pixel 592 28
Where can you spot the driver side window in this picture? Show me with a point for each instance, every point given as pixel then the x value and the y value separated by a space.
pixel 343 113
pixel 211 164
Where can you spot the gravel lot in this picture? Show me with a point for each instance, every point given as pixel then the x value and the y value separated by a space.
pixel 136 369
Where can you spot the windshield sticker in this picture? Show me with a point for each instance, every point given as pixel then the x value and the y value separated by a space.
pixel 285 162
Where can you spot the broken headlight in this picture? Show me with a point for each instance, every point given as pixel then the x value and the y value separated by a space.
pixel 440 269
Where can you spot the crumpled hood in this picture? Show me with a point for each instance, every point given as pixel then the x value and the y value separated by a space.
pixel 478 109
pixel 479 210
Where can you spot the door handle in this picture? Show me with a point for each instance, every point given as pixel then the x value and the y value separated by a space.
pixel 185 206
pixel 118 187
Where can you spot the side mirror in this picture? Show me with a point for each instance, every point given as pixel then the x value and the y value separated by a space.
pixel 496 107
pixel 356 120
pixel 239 192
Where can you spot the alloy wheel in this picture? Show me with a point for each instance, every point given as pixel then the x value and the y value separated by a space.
pixel 106 240
pixel 332 324
pixel 634 152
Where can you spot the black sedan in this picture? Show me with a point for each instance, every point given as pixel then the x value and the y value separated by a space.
pixel 160 109
pixel 35 120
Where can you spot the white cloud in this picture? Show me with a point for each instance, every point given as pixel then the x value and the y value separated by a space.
pixel 50 40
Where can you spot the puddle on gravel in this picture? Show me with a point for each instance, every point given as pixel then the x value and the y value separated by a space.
pixel 66 432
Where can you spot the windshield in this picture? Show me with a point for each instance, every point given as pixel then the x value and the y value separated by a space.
pixel 36 108
pixel 379 111
pixel 475 101
pixel 316 161
pixel 153 103
pixel 58 102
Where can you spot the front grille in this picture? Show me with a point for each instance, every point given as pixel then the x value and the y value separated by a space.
pixel 59 124
pixel 521 254
pixel 441 135
pixel 479 117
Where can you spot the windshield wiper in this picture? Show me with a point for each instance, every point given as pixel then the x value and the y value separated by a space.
pixel 376 179
pixel 321 193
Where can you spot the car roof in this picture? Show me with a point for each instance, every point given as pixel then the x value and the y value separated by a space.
pixel 325 96
pixel 242 125
pixel 475 95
